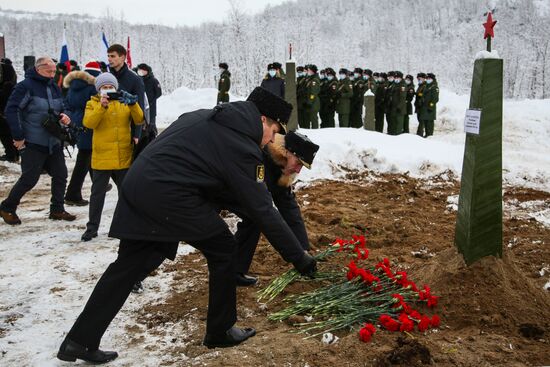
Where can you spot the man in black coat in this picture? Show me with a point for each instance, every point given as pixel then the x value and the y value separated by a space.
pixel 283 159
pixel 167 196
pixel 153 92
pixel 8 80
pixel 273 82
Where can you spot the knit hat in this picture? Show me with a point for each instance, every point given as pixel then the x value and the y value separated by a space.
pixel 271 106
pixel 301 147
pixel 92 66
pixel 104 79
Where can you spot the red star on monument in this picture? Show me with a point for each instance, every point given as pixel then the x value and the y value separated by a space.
pixel 489 25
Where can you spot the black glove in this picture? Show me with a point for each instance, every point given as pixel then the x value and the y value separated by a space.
pixel 307 265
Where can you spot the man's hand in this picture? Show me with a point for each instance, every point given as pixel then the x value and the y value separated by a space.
pixel 307 265
pixel 104 100
pixel 65 120
pixel 19 144
pixel 136 140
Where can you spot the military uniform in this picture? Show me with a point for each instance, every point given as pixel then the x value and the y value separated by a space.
pixel 379 103
pixel 300 96
pixel 410 97
pixel 311 102
pixel 344 92
pixel 328 97
pixel 224 84
pixel 418 101
pixel 428 108
pixel 398 107
pixel 356 103
pixel 388 94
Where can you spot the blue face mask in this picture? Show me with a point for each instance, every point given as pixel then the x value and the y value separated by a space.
pixel 330 77
pixel 390 80
pixel 429 81
pixel 397 81
pixel 341 76
pixel 272 73
pixel 321 76
pixel 407 81
pixel 420 81
pixel 366 77
pixel 356 75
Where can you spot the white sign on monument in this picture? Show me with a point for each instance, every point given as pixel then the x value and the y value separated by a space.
pixel 472 121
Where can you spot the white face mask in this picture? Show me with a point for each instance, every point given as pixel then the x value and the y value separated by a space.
pixel 356 75
pixel 330 77
pixel 341 76
pixel 310 73
pixel 407 81
pixel 429 81
pixel 366 77
pixel 272 73
pixel 107 91
pixel 141 72
pixel 322 76
pixel 397 80
pixel 390 79
pixel 420 81
pixel 221 70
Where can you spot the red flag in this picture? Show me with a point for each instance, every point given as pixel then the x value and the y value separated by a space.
pixel 128 55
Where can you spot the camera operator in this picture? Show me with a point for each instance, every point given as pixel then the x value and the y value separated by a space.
pixel 109 114
pixel 32 102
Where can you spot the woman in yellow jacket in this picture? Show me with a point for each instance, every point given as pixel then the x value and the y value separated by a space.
pixel 112 142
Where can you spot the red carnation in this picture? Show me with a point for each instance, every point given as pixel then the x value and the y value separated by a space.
pixel 415 314
pixel 406 323
pixel 424 323
pixel 435 322
pixel 367 332
pixel 432 301
pixel 388 323
pixel 387 262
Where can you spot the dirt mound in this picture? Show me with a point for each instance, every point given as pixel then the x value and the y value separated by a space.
pixel 483 308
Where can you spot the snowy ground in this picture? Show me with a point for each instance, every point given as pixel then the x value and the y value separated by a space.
pixel 47 273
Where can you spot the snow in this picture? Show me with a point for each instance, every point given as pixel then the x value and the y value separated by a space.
pixel 48 273
pixel 487 55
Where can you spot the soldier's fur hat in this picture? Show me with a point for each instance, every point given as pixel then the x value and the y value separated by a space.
pixel 398 74
pixel 343 71
pixel 271 106
pixel 383 75
pixel 367 72
pixel 330 71
pixel 391 73
pixel 376 74
pixel 301 147
pixel 358 70
pixel 431 76
pixel 270 67
pixel 421 75
pixel 409 76
pixel 223 65
pixel 300 68
pixel 312 67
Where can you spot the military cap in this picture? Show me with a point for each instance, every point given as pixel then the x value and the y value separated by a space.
pixel 300 68
pixel 430 75
pixel 271 106
pixel 343 71
pixel 376 74
pixel 277 65
pixel 391 73
pixel 270 67
pixel 313 68
pixel 398 74
pixel 223 65
pixel 409 76
pixel 420 75
pixel 6 61
pixel 358 70
pixel 303 148
pixel 367 72
pixel 384 75
pixel 330 71
pixel 322 71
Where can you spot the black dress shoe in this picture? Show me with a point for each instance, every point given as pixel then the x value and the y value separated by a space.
pixel 137 287
pixel 244 280
pixel 71 351
pixel 230 338
pixel 88 235
pixel 78 202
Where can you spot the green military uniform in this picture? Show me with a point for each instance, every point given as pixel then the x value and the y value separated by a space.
pixel 312 103
pixel 329 100
pixel 398 108
pixel 300 96
pixel 428 108
pixel 379 103
pixel 344 92
pixel 357 101
pixel 410 97
pixel 323 97
pixel 224 84
pixel 388 94
pixel 418 101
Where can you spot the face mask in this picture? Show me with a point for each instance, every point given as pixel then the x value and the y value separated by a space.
pixel 272 73
pixel 300 74
pixel 104 92
pixel 310 73
pixel 330 77
pixel 352 77
pixel 429 81
pixel 141 72
pixel 341 76
pixel 321 76
pixel 397 80
pixel 356 75
pixel 407 81
pixel 420 81
pixel 366 77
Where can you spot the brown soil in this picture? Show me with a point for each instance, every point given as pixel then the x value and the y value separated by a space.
pixel 493 313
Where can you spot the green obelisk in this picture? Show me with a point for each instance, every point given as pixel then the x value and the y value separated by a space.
pixel 290 90
pixel 368 121
pixel 479 219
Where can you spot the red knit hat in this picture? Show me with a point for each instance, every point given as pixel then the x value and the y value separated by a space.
pixel 92 66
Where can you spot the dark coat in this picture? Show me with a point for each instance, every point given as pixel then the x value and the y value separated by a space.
pixel 410 96
pixel 152 90
pixel 275 85
pixel 172 191
pixel 81 89
pixel 430 98
pixel 7 83
pixel 133 84
pixel 28 107
pixel 224 84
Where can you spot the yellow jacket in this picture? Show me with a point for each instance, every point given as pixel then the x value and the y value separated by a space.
pixel 112 140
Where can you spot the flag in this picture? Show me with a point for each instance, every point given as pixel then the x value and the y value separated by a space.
pixel 103 49
pixel 64 58
pixel 128 55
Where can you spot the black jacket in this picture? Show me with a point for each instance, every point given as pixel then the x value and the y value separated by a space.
pixel 132 83
pixel 7 83
pixel 168 193
pixel 153 91
pixel 275 85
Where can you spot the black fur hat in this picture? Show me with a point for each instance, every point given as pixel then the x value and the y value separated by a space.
pixel 301 147
pixel 421 75
pixel 300 68
pixel 367 72
pixel 358 70
pixel 271 106
pixel 431 76
pixel 313 68
pixel 398 74
pixel 384 75
pixel 144 66
pixel 277 65
pixel 223 65
pixel 410 77
pixel 271 67
pixel 330 71
pixel 343 71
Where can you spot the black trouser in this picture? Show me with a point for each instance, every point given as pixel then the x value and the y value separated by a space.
pixel 6 139
pixel 247 237
pixel 379 120
pixel 81 168
pixel 100 181
pixel 406 124
pixel 33 161
pixel 138 258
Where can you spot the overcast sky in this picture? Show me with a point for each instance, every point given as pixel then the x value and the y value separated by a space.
pixel 167 12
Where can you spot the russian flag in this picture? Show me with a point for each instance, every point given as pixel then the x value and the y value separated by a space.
pixel 64 58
